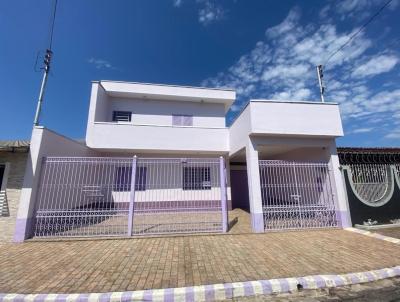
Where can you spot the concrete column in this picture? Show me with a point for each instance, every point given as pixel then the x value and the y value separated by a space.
pixel 342 205
pixel 24 221
pixel 253 176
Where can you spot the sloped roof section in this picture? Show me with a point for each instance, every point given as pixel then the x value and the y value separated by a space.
pixel 14 145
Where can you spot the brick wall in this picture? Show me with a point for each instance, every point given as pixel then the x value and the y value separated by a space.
pixel 15 177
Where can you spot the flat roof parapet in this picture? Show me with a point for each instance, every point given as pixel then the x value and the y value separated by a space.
pixel 169 92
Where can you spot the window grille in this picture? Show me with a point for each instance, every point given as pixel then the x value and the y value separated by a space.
pixel 196 178
pixel 122 116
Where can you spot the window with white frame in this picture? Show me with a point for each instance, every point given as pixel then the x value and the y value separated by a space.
pixel 182 120
pixel 122 116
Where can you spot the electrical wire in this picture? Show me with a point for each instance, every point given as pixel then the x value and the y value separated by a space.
pixel 52 20
pixel 357 32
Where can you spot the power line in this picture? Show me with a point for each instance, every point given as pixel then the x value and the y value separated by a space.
pixel 53 20
pixel 46 68
pixel 358 31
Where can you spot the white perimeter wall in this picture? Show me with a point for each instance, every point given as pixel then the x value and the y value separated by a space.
pixel 295 118
pixel 43 143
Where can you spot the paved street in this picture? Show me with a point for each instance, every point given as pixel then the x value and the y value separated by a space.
pixel 134 264
pixel 387 290
pixel 391 232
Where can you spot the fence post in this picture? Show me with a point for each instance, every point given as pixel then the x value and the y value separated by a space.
pixel 132 196
pixel 223 194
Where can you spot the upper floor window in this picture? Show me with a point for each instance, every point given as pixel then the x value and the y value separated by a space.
pixel 122 116
pixel 182 120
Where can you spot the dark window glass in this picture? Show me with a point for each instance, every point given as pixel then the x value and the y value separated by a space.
pixel 124 176
pixel 122 116
pixel 2 168
pixel 196 178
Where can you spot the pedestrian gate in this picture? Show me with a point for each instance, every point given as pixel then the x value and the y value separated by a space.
pixel 97 196
pixel 296 195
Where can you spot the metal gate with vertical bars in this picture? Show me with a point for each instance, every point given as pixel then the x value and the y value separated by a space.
pixel 99 196
pixel 297 195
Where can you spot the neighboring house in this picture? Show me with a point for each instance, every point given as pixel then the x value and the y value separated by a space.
pixel 372 180
pixel 160 159
pixel 13 156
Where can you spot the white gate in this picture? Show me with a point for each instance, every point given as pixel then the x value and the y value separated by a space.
pixel 296 195
pixel 109 196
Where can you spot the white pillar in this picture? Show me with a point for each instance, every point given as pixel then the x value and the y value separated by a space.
pixel 342 210
pixel 253 177
pixel 24 222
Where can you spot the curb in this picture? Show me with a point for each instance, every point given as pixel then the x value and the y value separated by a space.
pixel 374 235
pixel 216 291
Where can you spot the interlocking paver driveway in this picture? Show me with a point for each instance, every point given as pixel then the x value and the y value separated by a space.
pixel 133 264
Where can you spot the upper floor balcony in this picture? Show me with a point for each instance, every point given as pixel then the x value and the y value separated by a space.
pixel 152 138
pixel 148 117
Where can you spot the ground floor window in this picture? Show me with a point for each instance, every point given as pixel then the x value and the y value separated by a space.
pixel 124 176
pixel 196 178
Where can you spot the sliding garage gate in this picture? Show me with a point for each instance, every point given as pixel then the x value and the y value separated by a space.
pixel 95 196
pixel 297 195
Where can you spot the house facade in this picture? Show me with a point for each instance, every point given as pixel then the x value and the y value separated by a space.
pixel 13 157
pixel 160 159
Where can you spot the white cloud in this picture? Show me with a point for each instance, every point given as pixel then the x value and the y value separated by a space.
pixel 360 9
pixel 361 130
pixel 101 64
pixel 294 95
pixel 210 12
pixel 282 71
pixel 286 25
pixel 395 134
pixel 282 66
pixel 376 65
pixel 178 3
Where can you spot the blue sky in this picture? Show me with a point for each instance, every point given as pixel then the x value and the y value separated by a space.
pixel 264 49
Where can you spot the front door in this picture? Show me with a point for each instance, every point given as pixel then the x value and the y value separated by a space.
pixel 239 189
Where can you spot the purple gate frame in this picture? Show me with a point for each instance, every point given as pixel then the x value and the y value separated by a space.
pixel 132 196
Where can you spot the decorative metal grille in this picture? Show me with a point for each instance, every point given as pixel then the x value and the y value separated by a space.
pixel 81 197
pixel 182 195
pixel 371 182
pixel 96 196
pixel 384 156
pixel 296 195
pixel 397 170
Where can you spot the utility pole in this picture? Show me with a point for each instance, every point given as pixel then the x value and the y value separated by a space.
pixel 320 75
pixel 46 68
pixel 47 59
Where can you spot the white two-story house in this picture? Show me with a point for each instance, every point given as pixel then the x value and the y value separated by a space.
pixel 160 159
